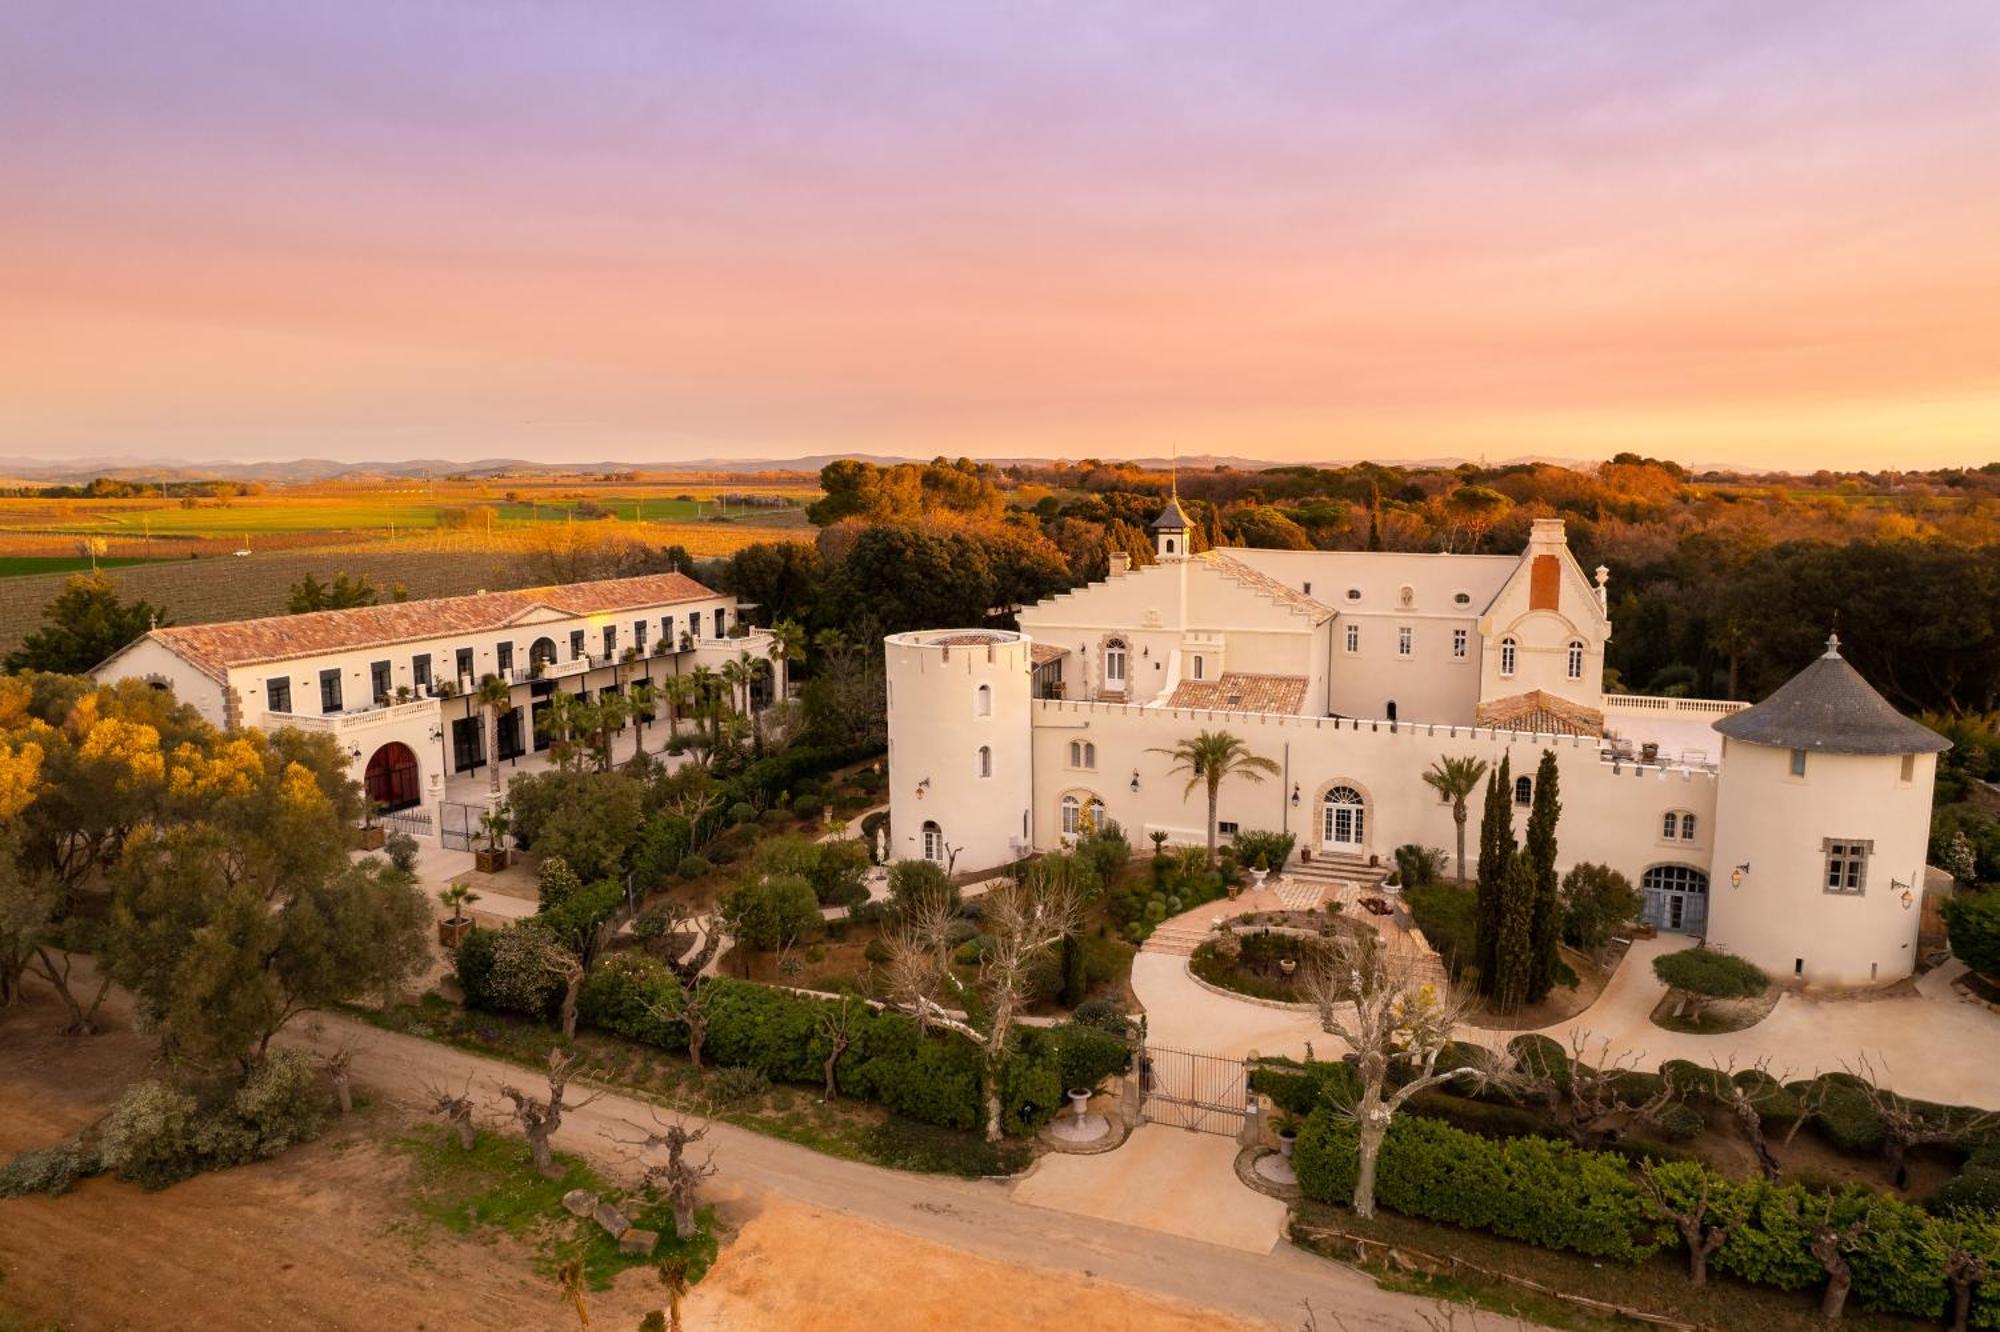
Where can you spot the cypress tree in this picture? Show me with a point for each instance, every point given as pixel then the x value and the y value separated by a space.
pixel 1545 928
pixel 1514 959
pixel 1496 844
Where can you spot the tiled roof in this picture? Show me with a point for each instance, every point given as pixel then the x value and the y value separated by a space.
pixel 1259 581
pixel 1828 706
pixel 1237 691
pixel 214 648
pixel 1540 713
pixel 1044 653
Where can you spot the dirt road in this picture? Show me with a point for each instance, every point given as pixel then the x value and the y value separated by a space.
pixel 975 1217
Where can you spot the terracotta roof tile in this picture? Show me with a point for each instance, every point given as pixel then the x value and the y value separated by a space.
pixel 215 648
pixel 1259 581
pixel 1237 691
pixel 1540 713
pixel 1044 653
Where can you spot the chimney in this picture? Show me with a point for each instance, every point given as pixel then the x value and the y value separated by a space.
pixel 1547 533
pixel 1121 563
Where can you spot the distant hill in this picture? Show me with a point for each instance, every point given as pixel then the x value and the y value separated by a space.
pixel 42 471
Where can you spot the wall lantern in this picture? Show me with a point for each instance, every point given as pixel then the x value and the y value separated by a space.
pixel 437 733
pixel 1295 795
pixel 922 787
pixel 1736 875
pixel 355 753
pixel 1135 779
pixel 1909 898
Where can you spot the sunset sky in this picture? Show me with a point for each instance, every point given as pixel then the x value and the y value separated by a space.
pixel 1763 232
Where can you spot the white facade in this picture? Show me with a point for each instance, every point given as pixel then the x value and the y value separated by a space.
pixel 394 684
pixel 1354 672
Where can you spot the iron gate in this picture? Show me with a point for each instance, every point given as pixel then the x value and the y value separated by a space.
pixel 458 825
pixel 1188 1089
pixel 412 821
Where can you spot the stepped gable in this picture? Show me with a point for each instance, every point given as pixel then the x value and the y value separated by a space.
pixel 1262 583
pixel 1829 708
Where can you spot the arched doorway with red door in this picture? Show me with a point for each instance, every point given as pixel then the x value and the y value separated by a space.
pixel 391 778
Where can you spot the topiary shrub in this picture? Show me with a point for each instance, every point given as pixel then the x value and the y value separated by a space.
pixel 1702 974
pixel 472 963
pixel 742 812
pixel 402 849
pixel 692 867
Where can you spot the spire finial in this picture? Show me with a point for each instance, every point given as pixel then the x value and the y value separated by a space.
pixel 1833 645
pixel 1174 470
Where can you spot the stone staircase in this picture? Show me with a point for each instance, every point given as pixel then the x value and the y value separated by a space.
pixel 1306 885
pixel 1178 939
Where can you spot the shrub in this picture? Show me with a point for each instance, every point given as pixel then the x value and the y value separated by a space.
pixel 1447 916
pixel 742 812
pixel 1976 1188
pixel 692 867
pixel 1844 1112
pixel 775 818
pixel 518 981
pixel 732 1086
pixel 279 1104
pixel 1597 902
pixel 837 871
pixel 1275 848
pixel 401 849
pixel 770 912
pixel 51 1170
pixel 809 808
pixel 663 844
pixel 556 883
pixel 1419 866
pixel 1710 974
pixel 915 881
pixel 1103 1012
pixel 148 1137
pixel 1532 1189
pixel 1086 1055
pixel 626 993
pixel 473 964
pixel 1972 923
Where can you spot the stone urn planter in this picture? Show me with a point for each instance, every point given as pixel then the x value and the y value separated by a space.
pixel 1079 1101
pixel 1257 877
pixel 1286 966
pixel 1287 1137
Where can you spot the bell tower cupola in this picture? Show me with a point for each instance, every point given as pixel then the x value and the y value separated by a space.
pixel 1170 532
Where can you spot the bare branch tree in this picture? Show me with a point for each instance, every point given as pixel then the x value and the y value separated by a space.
pixel 836 1022
pixel 456 1107
pixel 1390 1010
pixel 1025 918
pixel 1967 1263
pixel 339 1063
pixel 1907 1123
pixel 1591 1102
pixel 539 1119
pixel 690 1010
pixel 678 1177
pixel 1831 1245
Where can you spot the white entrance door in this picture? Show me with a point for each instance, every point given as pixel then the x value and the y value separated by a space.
pixel 1342 819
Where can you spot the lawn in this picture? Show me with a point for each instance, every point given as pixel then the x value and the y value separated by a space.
pixel 495 1190
pixel 18 566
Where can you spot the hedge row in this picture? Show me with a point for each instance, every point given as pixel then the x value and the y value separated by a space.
pixel 1557 1196
pixel 933 1078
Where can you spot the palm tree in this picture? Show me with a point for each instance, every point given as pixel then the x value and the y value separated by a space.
pixel 1455 779
pixel 677 690
pixel 1209 758
pixel 497 697
pixel 788 645
pixel 736 675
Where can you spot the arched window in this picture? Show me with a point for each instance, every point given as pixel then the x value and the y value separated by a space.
pixel 1071 809
pixel 1575 659
pixel 1114 664
pixel 1687 827
pixel 1076 753
pixel 1343 817
pixel 1170 545
pixel 1671 827
pixel 1524 790
pixel 1676 898
pixel 1089 754
pixel 933 842
pixel 1507 656
pixel 982 702
pixel 1073 814
pixel 1392 709
pixel 985 760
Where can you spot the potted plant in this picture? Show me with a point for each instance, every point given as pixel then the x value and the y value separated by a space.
pixel 492 858
pixel 372 833
pixel 1288 1136
pixel 1260 870
pixel 1079 1100
pixel 402 693
pixel 458 898
pixel 1305 855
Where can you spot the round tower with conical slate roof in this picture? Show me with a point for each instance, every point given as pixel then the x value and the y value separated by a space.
pixel 1823 812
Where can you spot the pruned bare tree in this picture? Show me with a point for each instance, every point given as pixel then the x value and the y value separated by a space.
pixel 1907 1123
pixel 1705 1210
pixel 1591 1101
pixel 1390 1010
pixel 835 1022
pixel 689 1009
pixel 570 971
pixel 339 1063
pixel 1968 1262
pixel 679 1176
pixel 1751 1095
pixel 456 1107
pixel 1025 918
pixel 540 1118
pixel 1830 1245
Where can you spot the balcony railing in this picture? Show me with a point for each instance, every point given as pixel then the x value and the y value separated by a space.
pixel 355 719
